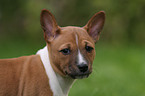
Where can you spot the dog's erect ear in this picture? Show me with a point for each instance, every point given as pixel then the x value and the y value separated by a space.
pixel 95 25
pixel 49 25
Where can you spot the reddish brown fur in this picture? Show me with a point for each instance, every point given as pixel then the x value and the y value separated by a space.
pixel 23 76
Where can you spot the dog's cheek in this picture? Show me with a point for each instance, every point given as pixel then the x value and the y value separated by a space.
pixel 70 65
pixel 63 63
pixel 91 56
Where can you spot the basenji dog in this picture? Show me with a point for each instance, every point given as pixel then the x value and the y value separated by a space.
pixel 67 56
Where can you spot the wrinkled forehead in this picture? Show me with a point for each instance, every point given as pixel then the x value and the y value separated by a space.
pixel 71 34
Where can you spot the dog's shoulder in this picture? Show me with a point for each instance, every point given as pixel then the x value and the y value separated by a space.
pixel 24 73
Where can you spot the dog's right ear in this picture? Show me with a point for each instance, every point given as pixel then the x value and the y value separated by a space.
pixel 49 25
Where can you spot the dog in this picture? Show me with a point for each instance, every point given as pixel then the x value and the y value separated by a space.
pixel 67 56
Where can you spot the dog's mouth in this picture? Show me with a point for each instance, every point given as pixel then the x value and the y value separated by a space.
pixel 78 75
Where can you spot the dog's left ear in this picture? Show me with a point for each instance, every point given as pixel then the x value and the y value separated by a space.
pixel 95 25
pixel 49 25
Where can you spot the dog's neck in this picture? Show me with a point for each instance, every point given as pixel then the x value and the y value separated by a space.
pixel 59 85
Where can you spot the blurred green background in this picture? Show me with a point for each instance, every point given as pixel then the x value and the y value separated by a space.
pixel 119 66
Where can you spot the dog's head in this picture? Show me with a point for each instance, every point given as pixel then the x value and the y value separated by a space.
pixel 72 49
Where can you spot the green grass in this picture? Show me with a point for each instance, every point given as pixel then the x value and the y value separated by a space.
pixel 117 71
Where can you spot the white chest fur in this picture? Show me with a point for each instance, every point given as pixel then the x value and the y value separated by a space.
pixel 59 85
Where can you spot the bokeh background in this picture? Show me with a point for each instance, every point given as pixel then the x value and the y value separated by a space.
pixel 119 66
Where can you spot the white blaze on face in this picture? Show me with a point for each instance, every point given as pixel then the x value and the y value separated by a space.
pixel 80 57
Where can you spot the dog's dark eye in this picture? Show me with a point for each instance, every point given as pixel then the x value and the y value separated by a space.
pixel 88 48
pixel 65 51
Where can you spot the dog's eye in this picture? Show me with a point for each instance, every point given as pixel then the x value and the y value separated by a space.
pixel 88 48
pixel 65 51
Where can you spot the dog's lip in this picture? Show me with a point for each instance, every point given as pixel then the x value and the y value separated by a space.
pixel 78 76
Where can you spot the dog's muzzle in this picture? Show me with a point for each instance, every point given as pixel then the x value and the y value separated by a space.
pixel 79 72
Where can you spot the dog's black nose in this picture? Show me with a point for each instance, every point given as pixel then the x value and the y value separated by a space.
pixel 83 67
